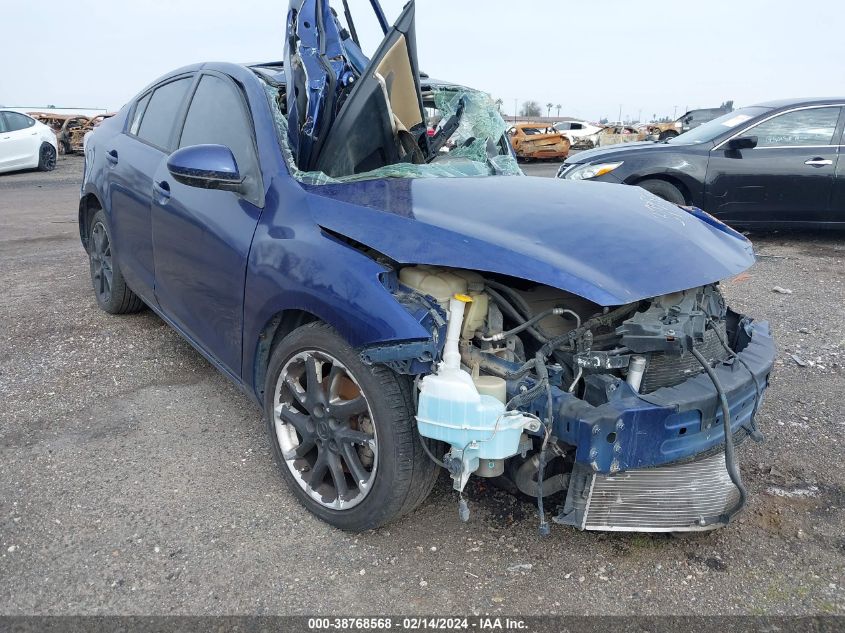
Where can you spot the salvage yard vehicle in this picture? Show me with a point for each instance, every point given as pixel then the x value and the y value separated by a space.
pixel 536 141
pixel 616 134
pixel 581 134
pixel 770 165
pixel 395 308
pixel 25 143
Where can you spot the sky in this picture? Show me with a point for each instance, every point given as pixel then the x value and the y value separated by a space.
pixel 595 59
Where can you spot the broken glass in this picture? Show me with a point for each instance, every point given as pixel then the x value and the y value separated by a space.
pixel 476 148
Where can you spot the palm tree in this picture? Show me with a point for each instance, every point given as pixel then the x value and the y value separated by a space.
pixel 558 106
pixel 549 107
pixel 499 103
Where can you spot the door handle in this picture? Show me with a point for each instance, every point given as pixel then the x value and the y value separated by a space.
pixel 162 188
pixel 818 162
pixel 112 157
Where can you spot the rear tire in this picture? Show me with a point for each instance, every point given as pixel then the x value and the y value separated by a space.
pixel 665 190
pixel 110 289
pixel 46 157
pixel 345 440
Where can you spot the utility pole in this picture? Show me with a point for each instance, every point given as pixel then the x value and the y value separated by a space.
pixel 675 113
pixel 515 107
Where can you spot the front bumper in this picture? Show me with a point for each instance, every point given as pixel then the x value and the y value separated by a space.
pixel 672 424
pixel 655 462
pixel 687 497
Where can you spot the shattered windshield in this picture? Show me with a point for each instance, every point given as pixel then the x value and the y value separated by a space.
pixel 477 147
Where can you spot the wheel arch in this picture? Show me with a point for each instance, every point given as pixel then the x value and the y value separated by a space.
pixel 671 179
pixel 89 204
pixel 277 328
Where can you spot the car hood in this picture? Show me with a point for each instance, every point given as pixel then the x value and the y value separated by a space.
pixel 618 150
pixel 610 244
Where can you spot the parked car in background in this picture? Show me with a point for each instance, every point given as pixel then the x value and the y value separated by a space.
pixel 774 164
pixel 538 141
pixel 686 122
pixel 25 143
pixel 615 134
pixel 581 134
pixel 311 239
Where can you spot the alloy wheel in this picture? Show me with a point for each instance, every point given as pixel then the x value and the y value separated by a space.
pixel 48 157
pixel 324 426
pixel 101 262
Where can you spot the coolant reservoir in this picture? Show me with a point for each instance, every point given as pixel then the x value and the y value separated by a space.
pixel 491 386
pixel 442 284
pixel 435 282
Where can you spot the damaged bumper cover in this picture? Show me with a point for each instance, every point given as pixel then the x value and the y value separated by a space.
pixel 654 462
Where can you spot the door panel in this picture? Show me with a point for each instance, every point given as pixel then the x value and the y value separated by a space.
pixel 788 177
pixel 19 143
pixel 130 195
pixel 202 237
pixel 133 158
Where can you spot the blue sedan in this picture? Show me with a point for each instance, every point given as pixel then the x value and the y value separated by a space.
pixel 354 245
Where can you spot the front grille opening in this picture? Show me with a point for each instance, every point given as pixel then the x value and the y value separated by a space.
pixel 665 370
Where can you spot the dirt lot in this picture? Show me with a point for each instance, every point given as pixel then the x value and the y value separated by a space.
pixel 135 479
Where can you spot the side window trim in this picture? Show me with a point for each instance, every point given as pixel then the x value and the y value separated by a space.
pixel 130 120
pixel 180 116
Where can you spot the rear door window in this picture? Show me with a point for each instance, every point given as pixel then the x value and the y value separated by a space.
pixel 157 121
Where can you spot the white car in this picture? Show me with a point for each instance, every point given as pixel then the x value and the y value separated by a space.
pixel 25 143
pixel 580 133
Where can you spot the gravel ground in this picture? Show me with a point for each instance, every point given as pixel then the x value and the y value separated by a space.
pixel 134 479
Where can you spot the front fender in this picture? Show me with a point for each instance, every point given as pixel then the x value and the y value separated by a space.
pixel 297 266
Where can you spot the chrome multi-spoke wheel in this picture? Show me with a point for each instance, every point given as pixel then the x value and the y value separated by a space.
pixel 343 432
pixel 101 262
pixel 325 430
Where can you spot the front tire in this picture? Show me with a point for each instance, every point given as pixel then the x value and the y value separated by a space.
pixel 665 190
pixel 110 289
pixel 343 433
pixel 46 157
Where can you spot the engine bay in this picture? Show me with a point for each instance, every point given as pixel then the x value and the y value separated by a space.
pixel 522 365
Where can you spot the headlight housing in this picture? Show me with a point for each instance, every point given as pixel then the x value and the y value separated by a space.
pixel 585 172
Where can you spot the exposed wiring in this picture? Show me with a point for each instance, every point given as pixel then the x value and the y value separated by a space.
pixel 575 381
pixel 730 457
pixel 758 391
pixel 517 298
pixel 529 323
pixel 512 312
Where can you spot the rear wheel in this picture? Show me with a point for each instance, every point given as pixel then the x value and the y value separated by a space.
pixel 110 289
pixel 343 433
pixel 46 157
pixel 665 190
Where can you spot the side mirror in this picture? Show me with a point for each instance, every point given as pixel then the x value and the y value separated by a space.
pixel 206 167
pixel 743 142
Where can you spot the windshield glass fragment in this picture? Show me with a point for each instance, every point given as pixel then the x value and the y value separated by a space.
pixel 477 146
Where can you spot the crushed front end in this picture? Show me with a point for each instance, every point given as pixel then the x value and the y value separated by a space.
pixel 617 415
